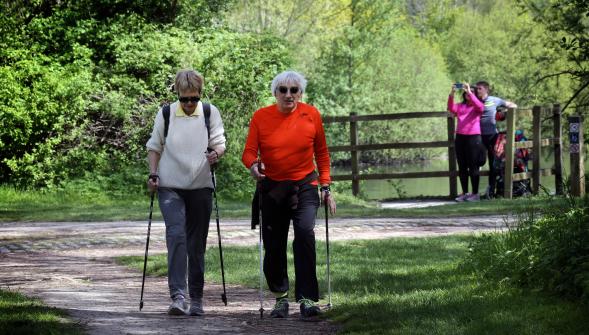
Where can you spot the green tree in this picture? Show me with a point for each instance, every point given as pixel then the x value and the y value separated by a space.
pixel 305 24
pixel 378 64
pixel 568 24
pixel 494 41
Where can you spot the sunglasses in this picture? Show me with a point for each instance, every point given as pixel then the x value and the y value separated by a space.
pixel 284 89
pixel 189 99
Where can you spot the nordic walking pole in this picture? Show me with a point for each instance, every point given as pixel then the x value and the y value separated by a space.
pixel 146 249
pixel 327 194
pixel 260 244
pixel 224 295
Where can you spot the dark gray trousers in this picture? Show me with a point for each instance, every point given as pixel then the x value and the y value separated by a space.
pixel 187 214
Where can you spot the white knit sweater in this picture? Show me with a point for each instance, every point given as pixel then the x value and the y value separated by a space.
pixel 183 163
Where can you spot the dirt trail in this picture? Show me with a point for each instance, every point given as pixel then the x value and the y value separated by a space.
pixel 70 266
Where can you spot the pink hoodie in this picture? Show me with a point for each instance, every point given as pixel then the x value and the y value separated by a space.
pixel 469 114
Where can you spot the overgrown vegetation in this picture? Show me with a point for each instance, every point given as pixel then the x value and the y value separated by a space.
pixel 544 250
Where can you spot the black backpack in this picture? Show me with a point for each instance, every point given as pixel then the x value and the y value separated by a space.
pixel 206 109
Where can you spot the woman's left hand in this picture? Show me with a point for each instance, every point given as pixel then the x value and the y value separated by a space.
pixel 212 157
pixel 327 197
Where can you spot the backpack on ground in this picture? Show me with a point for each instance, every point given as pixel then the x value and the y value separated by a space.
pixel 520 164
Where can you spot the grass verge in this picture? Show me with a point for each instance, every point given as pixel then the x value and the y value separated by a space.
pixel 408 286
pixel 23 315
pixel 95 206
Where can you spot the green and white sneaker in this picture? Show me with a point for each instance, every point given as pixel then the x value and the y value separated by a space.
pixel 280 309
pixel 308 308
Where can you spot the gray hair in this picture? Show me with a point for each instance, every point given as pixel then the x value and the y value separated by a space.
pixel 188 80
pixel 289 77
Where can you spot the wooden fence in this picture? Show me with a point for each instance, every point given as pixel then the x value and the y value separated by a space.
pixel 452 173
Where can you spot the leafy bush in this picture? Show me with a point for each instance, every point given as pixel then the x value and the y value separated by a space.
pixel 83 85
pixel 547 251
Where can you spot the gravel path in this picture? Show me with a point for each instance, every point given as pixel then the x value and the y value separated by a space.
pixel 70 265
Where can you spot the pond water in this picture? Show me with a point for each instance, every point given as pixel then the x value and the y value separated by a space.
pixel 415 187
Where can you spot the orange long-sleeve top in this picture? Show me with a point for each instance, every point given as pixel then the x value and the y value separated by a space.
pixel 288 143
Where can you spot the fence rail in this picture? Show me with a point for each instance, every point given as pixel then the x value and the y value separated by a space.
pixel 509 176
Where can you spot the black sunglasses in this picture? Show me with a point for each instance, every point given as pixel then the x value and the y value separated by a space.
pixel 189 99
pixel 284 89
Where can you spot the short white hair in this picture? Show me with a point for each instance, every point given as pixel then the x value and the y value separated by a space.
pixel 289 77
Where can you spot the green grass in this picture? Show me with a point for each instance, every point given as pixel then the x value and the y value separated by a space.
pixel 95 206
pixel 408 286
pixel 22 315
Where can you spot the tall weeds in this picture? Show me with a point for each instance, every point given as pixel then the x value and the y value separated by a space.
pixel 542 249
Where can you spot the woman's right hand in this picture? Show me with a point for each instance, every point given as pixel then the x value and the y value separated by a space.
pixel 467 88
pixel 453 89
pixel 257 171
pixel 153 183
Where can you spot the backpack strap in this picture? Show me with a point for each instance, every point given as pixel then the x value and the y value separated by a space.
pixel 166 113
pixel 206 108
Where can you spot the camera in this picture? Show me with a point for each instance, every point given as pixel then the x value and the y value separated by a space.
pixel 458 86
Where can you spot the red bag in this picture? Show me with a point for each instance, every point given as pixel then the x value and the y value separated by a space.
pixel 500 146
pixel 500 116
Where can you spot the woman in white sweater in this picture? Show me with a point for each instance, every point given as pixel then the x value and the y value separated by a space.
pixel 179 165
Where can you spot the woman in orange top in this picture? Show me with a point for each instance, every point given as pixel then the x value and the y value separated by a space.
pixel 290 140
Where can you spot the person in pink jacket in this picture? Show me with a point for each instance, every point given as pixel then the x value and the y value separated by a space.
pixel 468 144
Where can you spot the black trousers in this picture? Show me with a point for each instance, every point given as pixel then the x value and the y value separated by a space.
pixel 468 148
pixel 489 143
pixel 276 222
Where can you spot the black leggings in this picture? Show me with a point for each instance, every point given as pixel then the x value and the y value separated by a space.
pixel 489 142
pixel 467 153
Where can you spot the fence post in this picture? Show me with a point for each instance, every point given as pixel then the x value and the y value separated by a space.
pixel 576 155
pixel 452 157
pixel 557 149
pixel 509 152
pixel 354 152
pixel 537 150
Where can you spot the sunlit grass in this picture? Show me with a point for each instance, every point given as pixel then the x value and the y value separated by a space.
pixel 407 286
pixel 71 205
pixel 22 315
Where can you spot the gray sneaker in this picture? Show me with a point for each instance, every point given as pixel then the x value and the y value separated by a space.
pixel 196 308
pixel 308 308
pixel 178 306
pixel 280 309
